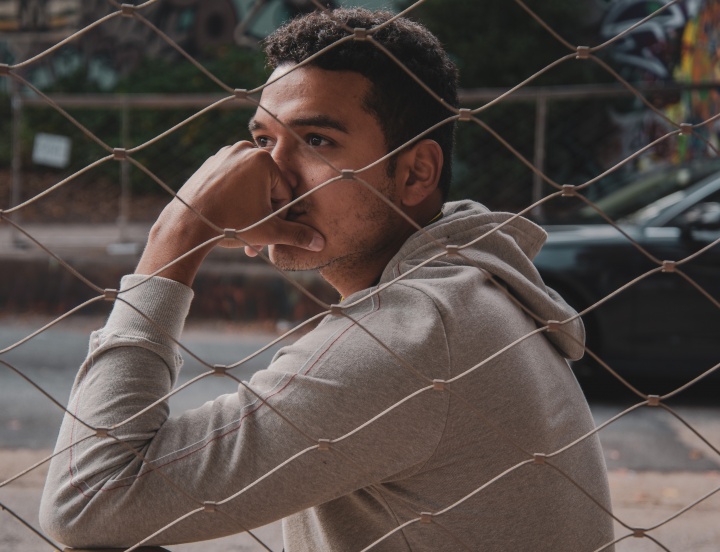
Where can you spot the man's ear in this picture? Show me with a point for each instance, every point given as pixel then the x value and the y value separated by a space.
pixel 420 167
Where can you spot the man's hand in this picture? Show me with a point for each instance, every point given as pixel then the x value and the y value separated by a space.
pixel 237 187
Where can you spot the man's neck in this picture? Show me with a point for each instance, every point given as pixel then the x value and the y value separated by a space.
pixel 354 273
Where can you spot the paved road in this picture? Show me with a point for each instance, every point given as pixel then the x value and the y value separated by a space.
pixel 51 359
pixel 657 465
pixel 646 439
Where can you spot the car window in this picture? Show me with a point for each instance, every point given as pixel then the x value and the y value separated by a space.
pixel 644 196
pixel 712 198
pixel 654 209
pixel 644 192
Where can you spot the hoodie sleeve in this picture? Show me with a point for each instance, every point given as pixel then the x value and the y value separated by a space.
pixel 311 428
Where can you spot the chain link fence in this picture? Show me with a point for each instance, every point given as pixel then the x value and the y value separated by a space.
pixel 121 144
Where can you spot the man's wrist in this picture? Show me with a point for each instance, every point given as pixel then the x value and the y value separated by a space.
pixel 167 252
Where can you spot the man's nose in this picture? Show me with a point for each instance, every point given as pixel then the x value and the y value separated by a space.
pixel 286 157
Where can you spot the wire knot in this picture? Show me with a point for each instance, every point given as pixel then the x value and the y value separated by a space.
pixel 360 34
pixel 452 250
pixel 583 52
pixel 568 190
pixel 539 458
pixel 323 444
pixel 426 517
pixel 219 370
pixel 4 69
pixel 553 326
pixel 653 400
pixel 439 385
pixel 209 506
pixel 127 10
pixel 241 93
pixel 669 266
pixel 110 294
pixel 230 233
pixel 119 154
pixel 686 128
pixel 465 114
pixel 347 174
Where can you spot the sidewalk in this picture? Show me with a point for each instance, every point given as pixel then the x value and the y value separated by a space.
pixel 71 241
pixel 229 285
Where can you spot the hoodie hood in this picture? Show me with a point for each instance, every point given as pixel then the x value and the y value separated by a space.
pixel 505 253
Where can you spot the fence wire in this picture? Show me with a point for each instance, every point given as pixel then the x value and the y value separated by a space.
pixel 465 116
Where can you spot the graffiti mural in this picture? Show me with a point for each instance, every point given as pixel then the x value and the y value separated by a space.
pixel 28 27
pixel 680 45
pixel 648 52
pixel 700 64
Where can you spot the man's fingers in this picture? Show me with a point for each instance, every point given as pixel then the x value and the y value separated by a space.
pixel 253 250
pixel 294 233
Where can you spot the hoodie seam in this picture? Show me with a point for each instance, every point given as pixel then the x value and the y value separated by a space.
pixel 448 371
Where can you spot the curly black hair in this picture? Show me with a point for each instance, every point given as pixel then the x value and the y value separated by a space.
pixel 401 106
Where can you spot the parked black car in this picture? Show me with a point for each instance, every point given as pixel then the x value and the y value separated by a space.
pixel 663 324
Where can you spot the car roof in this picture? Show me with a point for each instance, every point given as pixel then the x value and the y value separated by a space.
pixel 692 195
pixel 629 203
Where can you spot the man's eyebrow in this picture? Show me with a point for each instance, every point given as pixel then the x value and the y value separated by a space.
pixel 254 125
pixel 318 121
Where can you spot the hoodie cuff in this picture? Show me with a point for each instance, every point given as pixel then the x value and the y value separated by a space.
pixel 153 309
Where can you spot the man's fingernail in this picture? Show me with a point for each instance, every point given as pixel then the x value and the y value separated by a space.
pixel 317 243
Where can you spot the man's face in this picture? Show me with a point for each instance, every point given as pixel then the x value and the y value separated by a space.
pixel 325 109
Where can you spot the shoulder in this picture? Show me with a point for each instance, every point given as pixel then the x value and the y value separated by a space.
pixel 396 329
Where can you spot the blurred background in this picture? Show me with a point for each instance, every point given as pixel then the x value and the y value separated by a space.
pixel 576 122
pixel 127 85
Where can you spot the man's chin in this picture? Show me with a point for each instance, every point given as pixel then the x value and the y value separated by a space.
pixel 288 257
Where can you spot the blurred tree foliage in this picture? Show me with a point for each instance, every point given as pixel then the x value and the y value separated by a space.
pixel 495 44
pixel 174 157
pixel 499 45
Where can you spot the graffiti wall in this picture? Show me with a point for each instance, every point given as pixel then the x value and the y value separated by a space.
pixel 681 45
pixel 28 27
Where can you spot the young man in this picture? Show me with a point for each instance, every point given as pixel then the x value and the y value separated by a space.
pixel 430 411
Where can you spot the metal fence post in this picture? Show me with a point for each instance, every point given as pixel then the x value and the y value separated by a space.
pixel 539 154
pixel 124 209
pixel 16 190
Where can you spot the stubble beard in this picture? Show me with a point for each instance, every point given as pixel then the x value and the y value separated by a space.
pixel 361 251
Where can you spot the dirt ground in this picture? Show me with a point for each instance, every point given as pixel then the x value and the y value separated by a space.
pixel 85 199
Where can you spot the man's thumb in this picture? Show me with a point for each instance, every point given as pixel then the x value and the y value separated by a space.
pixel 299 235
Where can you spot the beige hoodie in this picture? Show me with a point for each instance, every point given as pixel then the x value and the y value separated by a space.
pixel 434 413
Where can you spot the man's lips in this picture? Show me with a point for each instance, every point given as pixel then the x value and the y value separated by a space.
pixel 298 210
pixel 294 215
pixel 302 216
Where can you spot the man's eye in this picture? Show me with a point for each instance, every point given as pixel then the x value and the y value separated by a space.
pixel 316 141
pixel 262 141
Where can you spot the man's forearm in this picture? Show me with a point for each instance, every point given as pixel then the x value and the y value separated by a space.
pixel 133 363
pixel 168 246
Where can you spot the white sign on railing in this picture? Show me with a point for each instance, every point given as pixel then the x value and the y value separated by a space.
pixel 51 150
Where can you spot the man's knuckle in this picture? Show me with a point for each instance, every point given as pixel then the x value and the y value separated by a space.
pixel 300 237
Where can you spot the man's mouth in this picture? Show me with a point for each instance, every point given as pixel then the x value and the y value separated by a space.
pixel 294 215
pixel 297 210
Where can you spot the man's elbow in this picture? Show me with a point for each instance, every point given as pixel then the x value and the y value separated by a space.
pixel 68 518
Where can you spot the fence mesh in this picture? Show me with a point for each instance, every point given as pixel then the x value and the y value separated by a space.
pixel 133 153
